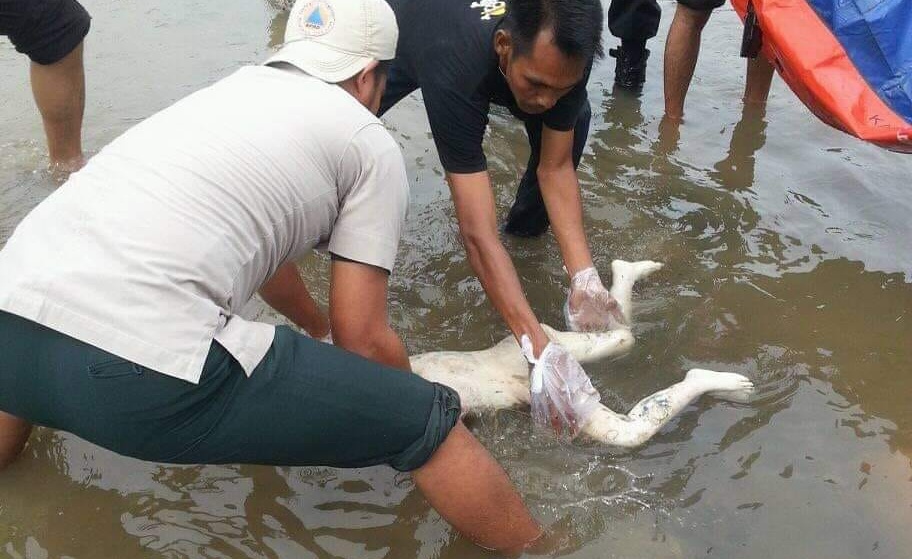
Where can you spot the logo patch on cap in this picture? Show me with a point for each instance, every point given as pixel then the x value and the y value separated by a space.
pixel 490 8
pixel 316 19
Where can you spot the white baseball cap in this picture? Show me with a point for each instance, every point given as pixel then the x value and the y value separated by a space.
pixel 335 39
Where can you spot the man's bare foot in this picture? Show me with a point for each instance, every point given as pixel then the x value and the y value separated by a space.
pixel 61 170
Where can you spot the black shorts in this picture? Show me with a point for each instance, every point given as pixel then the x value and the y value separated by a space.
pixel 306 404
pixel 702 5
pixel 45 30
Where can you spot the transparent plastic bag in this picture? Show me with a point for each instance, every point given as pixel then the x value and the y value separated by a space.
pixel 595 310
pixel 562 396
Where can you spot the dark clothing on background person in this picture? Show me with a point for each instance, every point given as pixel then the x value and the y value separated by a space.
pixel 634 21
pixel 529 217
pixel 446 49
pixel 44 30
pixel 702 5
pixel 307 403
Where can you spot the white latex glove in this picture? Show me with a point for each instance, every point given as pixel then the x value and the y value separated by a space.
pixel 562 396
pixel 590 307
pixel 327 339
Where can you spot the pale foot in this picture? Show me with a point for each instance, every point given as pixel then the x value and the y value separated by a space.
pixel 634 270
pixel 623 275
pixel 726 386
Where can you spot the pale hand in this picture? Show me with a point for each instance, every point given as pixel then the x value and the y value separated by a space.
pixel 562 396
pixel 590 307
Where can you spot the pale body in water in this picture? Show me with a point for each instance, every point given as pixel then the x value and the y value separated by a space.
pixel 498 377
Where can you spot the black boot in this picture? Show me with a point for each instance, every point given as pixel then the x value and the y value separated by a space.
pixel 528 217
pixel 630 72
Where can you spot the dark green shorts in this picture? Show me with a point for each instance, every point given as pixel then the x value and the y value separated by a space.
pixel 307 403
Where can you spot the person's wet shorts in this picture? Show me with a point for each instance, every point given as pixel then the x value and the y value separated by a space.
pixel 45 30
pixel 702 5
pixel 307 403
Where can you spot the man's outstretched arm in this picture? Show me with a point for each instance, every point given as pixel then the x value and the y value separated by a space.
pixel 561 193
pixel 590 307
pixel 285 292
pixel 358 313
pixel 474 201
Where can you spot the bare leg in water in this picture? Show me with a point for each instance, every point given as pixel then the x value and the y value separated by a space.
pixel 681 51
pixel 464 483
pixel 758 82
pixel 59 91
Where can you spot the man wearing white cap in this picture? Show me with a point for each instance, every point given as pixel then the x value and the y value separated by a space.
pixel 119 294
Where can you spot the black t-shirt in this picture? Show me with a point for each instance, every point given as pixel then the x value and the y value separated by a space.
pixel 446 48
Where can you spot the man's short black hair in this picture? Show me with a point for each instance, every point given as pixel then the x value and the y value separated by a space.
pixel 576 24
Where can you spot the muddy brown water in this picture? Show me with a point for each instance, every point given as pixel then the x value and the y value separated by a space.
pixel 788 258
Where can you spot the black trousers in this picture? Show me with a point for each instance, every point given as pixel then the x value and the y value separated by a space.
pixel 634 21
pixel 528 217
pixel 45 30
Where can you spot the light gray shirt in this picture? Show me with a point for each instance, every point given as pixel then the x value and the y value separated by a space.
pixel 151 250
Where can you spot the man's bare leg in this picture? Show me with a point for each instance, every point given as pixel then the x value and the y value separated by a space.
pixel 681 50
pixel 464 483
pixel 758 82
pixel 59 91
pixel 14 433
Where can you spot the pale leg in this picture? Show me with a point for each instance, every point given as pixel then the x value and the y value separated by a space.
pixel 623 275
pixel 650 414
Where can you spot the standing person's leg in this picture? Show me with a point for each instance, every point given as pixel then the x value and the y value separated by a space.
pixel 758 82
pixel 14 433
pixel 529 217
pixel 59 91
pixel 681 51
pixel 633 22
pixel 51 33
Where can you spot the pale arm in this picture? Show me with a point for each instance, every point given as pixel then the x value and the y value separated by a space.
pixel 358 313
pixel 285 292
pixel 474 201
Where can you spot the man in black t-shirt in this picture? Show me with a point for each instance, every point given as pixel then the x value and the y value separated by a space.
pixel 532 57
